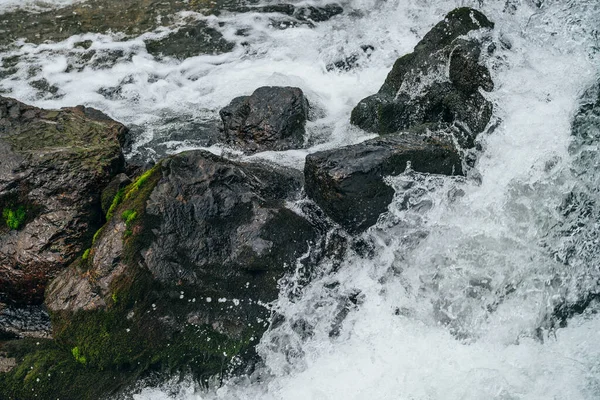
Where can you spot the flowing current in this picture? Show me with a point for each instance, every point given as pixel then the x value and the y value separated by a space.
pixel 457 295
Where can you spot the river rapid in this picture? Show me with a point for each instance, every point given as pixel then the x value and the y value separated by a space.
pixel 465 289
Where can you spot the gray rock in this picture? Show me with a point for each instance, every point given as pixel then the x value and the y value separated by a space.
pixel 347 183
pixel 272 118
pixel 438 83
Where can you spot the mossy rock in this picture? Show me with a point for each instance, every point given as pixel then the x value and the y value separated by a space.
pixel 55 164
pixel 178 278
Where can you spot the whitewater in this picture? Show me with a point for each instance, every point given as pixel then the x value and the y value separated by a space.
pixel 453 298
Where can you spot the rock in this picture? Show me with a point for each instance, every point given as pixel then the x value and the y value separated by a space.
pixel 298 15
pixel 190 41
pixel 272 118
pixel 179 277
pixel 24 321
pixel 352 61
pixel 135 17
pixel 7 364
pixel 119 182
pixel 53 167
pixel 438 83
pixel 347 183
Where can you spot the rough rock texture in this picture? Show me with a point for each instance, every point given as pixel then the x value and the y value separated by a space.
pixel 190 41
pixel 119 182
pixel 53 167
pixel 24 321
pixel 438 83
pixel 134 17
pixel 347 183
pixel 272 118
pixel 178 278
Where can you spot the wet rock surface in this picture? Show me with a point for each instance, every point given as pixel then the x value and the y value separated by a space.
pixel 24 321
pixel 179 277
pixel 53 167
pixel 272 118
pixel 439 82
pixel 134 17
pixel 190 41
pixel 347 183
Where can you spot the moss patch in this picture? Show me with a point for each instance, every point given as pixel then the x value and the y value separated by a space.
pixel 115 203
pixel 45 370
pixel 14 218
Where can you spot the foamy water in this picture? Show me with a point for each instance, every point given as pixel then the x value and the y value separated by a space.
pixel 453 302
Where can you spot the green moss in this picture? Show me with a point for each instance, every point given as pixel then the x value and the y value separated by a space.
pixel 14 219
pixel 129 216
pixel 85 255
pixel 97 235
pixel 115 298
pixel 139 182
pixel 80 358
pixel 115 203
pixel 46 370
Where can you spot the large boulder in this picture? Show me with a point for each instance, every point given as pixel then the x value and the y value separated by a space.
pixel 439 82
pixel 53 167
pixel 272 118
pixel 348 182
pixel 179 278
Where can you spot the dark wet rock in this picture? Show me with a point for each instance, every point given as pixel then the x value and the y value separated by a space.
pixel 27 321
pixel 190 41
pixel 53 167
pixel 119 182
pixel 298 15
pixel 134 17
pixel 347 183
pixel 438 83
pixel 352 61
pixel 176 131
pixel 272 118
pixel 44 88
pixel 179 277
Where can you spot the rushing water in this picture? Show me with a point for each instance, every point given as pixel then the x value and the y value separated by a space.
pixel 454 300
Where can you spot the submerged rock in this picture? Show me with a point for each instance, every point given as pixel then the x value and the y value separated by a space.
pixel 179 277
pixel 272 118
pixel 438 83
pixel 134 17
pixel 347 183
pixel 53 167
pixel 190 41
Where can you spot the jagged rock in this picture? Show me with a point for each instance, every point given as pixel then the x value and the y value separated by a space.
pixel 347 183
pixel 53 167
pixel 272 118
pixel 180 275
pixel 438 83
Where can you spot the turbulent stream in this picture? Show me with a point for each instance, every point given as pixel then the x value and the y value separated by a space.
pixel 462 292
